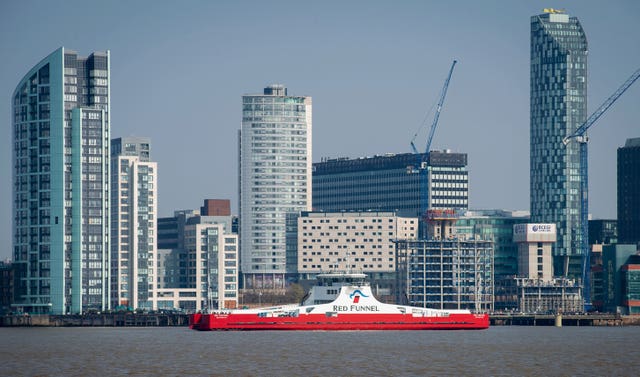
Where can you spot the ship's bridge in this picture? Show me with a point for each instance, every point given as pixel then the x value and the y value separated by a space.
pixel 340 279
pixel 328 286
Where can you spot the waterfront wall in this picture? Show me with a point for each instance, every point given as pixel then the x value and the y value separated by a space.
pixel 566 320
pixel 98 320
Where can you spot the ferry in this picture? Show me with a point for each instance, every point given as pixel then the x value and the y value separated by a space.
pixel 339 301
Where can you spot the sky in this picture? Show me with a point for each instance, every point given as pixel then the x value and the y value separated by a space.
pixel 373 69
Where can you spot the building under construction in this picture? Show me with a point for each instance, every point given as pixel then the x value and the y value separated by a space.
pixel 444 271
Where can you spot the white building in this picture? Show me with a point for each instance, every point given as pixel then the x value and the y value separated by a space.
pixel 198 269
pixel 275 179
pixel 535 242
pixel 536 289
pixel 357 241
pixel 134 209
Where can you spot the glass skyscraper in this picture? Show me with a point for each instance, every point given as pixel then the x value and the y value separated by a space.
pixel 558 107
pixel 61 184
pixel 275 180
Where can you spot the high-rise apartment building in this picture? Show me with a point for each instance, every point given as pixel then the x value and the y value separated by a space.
pixel 61 118
pixel 197 264
pixel 558 106
pixel 629 192
pixel 275 179
pixel 392 183
pixel 134 208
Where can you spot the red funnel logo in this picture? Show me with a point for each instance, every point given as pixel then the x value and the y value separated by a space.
pixel 356 296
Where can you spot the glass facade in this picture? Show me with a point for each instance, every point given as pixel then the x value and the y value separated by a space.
pixel 629 192
pixel 61 185
pixel 496 226
pixel 275 179
pixel 392 183
pixel 558 107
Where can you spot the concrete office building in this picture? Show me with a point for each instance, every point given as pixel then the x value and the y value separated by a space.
pixel 537 289
pixel 534 250
pixel 629 192
pixel 558 107
pixel 275 179
pixel 134 208
pixel 197 263
pixel 392 183
pixel 354 241
pixel 61 128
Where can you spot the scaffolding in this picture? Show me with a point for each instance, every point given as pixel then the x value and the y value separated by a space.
pixel 447 273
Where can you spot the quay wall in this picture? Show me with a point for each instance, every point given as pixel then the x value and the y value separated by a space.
pixel 566 320
pixel 97 320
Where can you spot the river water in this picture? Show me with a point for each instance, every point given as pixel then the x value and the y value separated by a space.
pixel 498 351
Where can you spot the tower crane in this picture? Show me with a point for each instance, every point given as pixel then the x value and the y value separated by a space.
pixel 580 136
pixel 434 125
pixel 420 168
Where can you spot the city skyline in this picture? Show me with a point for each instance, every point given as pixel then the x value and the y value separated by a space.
pixel 373 69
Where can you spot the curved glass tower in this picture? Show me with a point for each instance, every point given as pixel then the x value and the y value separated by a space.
pixel 275 179
pixel 558 107
pixel 60 184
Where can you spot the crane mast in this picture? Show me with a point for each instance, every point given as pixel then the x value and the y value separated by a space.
pixel 420 168
pixel 580 136
pixel 443 94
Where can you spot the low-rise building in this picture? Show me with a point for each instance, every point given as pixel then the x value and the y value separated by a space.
pixel 631 285
pixel 614 273
pixel 6 286
pixel 536 288
pixel 355 241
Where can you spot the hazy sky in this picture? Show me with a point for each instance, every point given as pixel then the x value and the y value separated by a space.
pixel 373 68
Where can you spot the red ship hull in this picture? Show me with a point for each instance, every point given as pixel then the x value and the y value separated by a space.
pixel 247 322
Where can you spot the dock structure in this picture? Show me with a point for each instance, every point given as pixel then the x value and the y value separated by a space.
pixel 96 320
pixel 566 320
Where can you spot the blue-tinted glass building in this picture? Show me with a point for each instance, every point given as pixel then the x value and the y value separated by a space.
pixel 392 182
pixel 61 177
pixel 496 226
pixel 629 191
pixel 558 107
